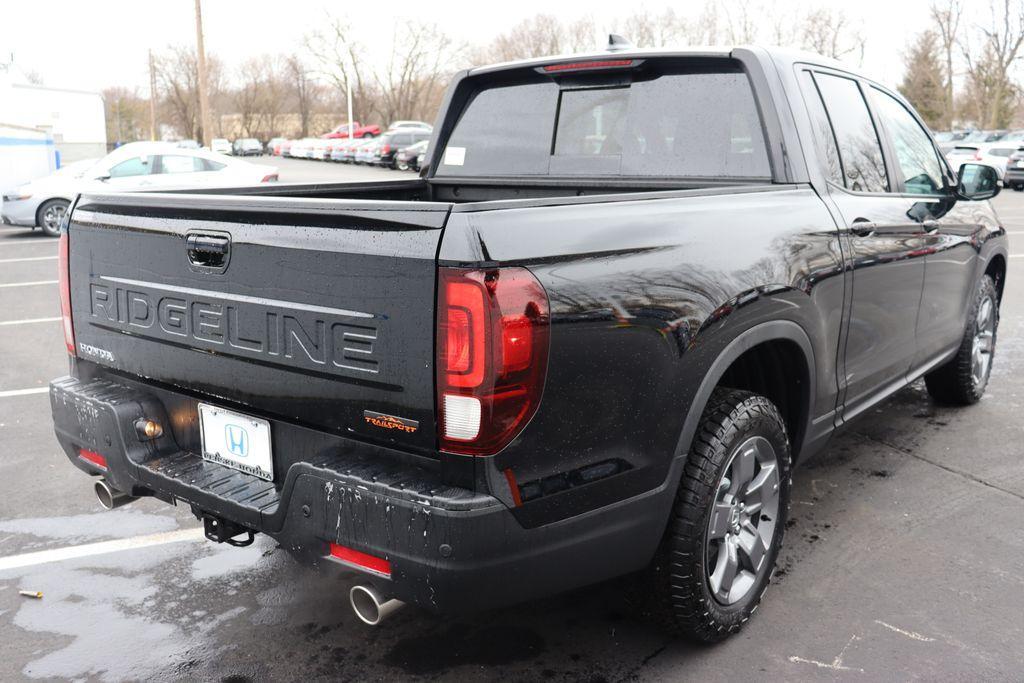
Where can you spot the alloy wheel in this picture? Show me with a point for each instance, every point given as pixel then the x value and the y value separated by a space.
pixel 743 521
pixel 984 341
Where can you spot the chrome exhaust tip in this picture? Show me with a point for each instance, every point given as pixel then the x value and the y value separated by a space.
pixel 109 497
pixel 370 606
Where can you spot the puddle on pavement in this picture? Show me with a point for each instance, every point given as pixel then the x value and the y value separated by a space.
pixel 123 523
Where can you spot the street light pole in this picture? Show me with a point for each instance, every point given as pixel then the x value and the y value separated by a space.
pixel 348 89
pixel 204 104
pixel 152 98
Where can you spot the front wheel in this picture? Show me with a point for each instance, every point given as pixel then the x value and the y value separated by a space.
pixel 716 558
pixel 962 381
pixel 51 214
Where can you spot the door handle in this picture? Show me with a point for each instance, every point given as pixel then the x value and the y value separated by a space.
pixel 207 251
pixel 861 227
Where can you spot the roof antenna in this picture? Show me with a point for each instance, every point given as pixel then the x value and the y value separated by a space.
pixel 617 43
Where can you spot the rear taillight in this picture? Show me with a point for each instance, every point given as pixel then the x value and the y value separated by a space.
pixel 272 178
pixel 386 149
pixel 492 353
pixel 63 277
pixel 977 156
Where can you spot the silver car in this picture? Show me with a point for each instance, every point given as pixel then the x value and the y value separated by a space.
pixel 137 165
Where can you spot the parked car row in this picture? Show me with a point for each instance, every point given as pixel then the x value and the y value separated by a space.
pixel 1005 156
pixel 402 146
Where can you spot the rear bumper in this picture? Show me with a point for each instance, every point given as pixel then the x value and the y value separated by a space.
pixel 450 549
pixel 1014 175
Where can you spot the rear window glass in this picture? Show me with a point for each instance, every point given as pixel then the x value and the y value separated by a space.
pixel 694 124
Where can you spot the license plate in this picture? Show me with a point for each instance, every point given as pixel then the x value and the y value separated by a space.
pixel 235 440
pixel 1020 164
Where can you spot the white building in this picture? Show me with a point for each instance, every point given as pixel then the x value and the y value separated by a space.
pixel 44 128
pixel 25 154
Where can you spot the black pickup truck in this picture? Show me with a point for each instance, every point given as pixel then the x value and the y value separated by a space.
pixel 629 291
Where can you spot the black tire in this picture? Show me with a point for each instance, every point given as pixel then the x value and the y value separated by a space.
pixel 679 581
pixel 51 214
pixel 962 381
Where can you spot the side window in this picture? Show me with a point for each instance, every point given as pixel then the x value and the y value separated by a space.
pixel 859 149
pixel 170 163
pixel 824 138
pixel 209 165
pixel 915 154
pixel 131 167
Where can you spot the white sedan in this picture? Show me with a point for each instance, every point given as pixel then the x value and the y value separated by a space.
pixel 135 166
pixel 994 154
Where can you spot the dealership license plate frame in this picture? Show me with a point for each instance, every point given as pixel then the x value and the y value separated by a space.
pixel 252 448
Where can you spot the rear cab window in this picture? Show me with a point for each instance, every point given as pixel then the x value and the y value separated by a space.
pixel 684 118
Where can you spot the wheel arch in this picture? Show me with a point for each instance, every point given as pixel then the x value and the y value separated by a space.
pixel 39 209
pixel 787 348
pixel 996 269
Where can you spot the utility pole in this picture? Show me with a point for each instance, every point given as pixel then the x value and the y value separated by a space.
pixel 204 104
pixel 152 98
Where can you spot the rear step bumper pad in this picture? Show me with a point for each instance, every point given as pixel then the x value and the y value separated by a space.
pixel 450 549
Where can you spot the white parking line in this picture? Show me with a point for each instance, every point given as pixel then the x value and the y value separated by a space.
pixel 30 258
pixel 102 548
pixel 23 392
pixel 28 321
pixel 28 284
pixel 27 243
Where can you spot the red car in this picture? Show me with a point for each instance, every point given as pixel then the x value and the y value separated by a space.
pixel 359 131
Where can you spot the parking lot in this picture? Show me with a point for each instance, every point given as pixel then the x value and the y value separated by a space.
pixel 904 556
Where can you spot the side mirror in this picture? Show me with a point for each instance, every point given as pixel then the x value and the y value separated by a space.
pixel 977 182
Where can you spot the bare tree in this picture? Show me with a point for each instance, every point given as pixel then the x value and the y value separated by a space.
pixel 1001 40
pixel 339 56
pixel 302 89
pixel 127 114
pixel 741 21
pixel 645 29
pixel 947 26
pixel 828 33
pixel 411 84
pixel 177 78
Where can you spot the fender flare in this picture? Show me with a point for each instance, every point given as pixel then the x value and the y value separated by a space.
pixel 775 330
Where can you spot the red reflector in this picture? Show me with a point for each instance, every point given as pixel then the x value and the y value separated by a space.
pixel 92 457
pixel 600 64
pixel 516 343
pixel 64 280
pixel 350 556
pixel 513 486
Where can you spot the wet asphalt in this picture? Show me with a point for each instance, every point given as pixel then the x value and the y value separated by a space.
pixel 904 556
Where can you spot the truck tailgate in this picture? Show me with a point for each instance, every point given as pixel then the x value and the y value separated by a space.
pixel 319 312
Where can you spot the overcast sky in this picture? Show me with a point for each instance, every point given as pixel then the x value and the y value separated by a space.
pixel 92 45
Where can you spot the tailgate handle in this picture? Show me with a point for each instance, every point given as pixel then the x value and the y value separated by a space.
pixel 208 251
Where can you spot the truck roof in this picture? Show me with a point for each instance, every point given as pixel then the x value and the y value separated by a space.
pixel 782 56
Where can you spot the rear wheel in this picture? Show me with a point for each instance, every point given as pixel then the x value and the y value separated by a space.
pixel 51 214
pixel 962 381
pixel 719 550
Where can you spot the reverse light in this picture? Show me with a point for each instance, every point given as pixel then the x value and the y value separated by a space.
pixel 492 356
pixel 64 280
